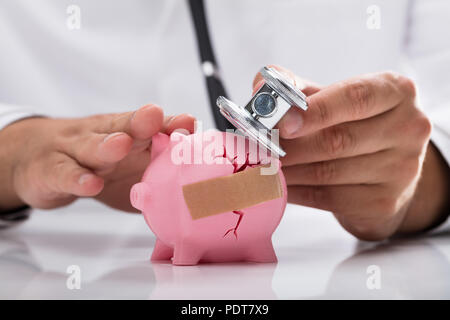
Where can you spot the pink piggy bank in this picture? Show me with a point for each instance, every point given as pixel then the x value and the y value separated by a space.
pixel 182 189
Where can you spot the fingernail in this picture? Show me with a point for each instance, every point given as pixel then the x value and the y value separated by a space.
pixel 112 135
pixel 170 120
pixel 258 86
pixel 184 115
pixel 84 178
pixel 147 107
pixel 182 131
pixel 140 109
pixel 299 83
pixel 291 124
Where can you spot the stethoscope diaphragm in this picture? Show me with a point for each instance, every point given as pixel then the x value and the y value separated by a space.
pixel 265 109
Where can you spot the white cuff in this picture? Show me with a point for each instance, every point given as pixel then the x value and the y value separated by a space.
pixel 441 140
pixel 13 116
pixel 445 226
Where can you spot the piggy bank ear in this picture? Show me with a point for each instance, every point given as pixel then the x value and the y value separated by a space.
pixel 160 141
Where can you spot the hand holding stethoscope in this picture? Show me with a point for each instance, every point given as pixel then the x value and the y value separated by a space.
pixel 358 151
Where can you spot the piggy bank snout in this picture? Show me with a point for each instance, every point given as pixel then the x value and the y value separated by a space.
pixel 139 195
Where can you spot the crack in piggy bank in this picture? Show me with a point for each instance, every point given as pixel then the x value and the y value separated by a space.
pixel 236 170
pixel 234 229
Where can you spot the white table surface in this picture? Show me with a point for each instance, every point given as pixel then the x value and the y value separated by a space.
pixel 317 260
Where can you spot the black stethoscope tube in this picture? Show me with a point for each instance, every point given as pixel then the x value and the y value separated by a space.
pixel 213 82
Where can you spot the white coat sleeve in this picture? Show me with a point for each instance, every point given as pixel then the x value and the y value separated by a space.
pixel 8 115
pixel 427 48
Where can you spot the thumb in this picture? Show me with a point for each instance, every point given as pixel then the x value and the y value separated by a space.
pixel 141 124
pixel 306 86
pixel 182 121
pixel 292 120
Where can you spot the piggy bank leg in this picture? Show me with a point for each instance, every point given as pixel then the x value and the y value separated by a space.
pixel 186 254
pixel 262 251
pixel 161 252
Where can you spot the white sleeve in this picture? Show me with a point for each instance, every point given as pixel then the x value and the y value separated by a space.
pixel 428 53
pixel 11 113
pixel 8 115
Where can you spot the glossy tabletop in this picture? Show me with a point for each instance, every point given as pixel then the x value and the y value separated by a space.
pixel 110 251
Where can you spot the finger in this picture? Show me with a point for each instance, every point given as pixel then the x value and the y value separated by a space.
pixel 367 211
pixel 344 198
pixel 99 151
pixel 141 124
pixel 184 122
pixel 181 121
pixel 345 140
pixel 384 166
pixel 306 86
pixel 290 122
pixel 66 176
pixel 354 99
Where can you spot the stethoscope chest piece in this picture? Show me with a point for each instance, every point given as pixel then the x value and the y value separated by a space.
pixel 265 109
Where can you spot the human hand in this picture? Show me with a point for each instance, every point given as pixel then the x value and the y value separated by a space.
pixel 48 163
pixel 358 151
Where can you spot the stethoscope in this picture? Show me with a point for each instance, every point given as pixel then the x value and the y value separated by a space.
pixel 266 107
